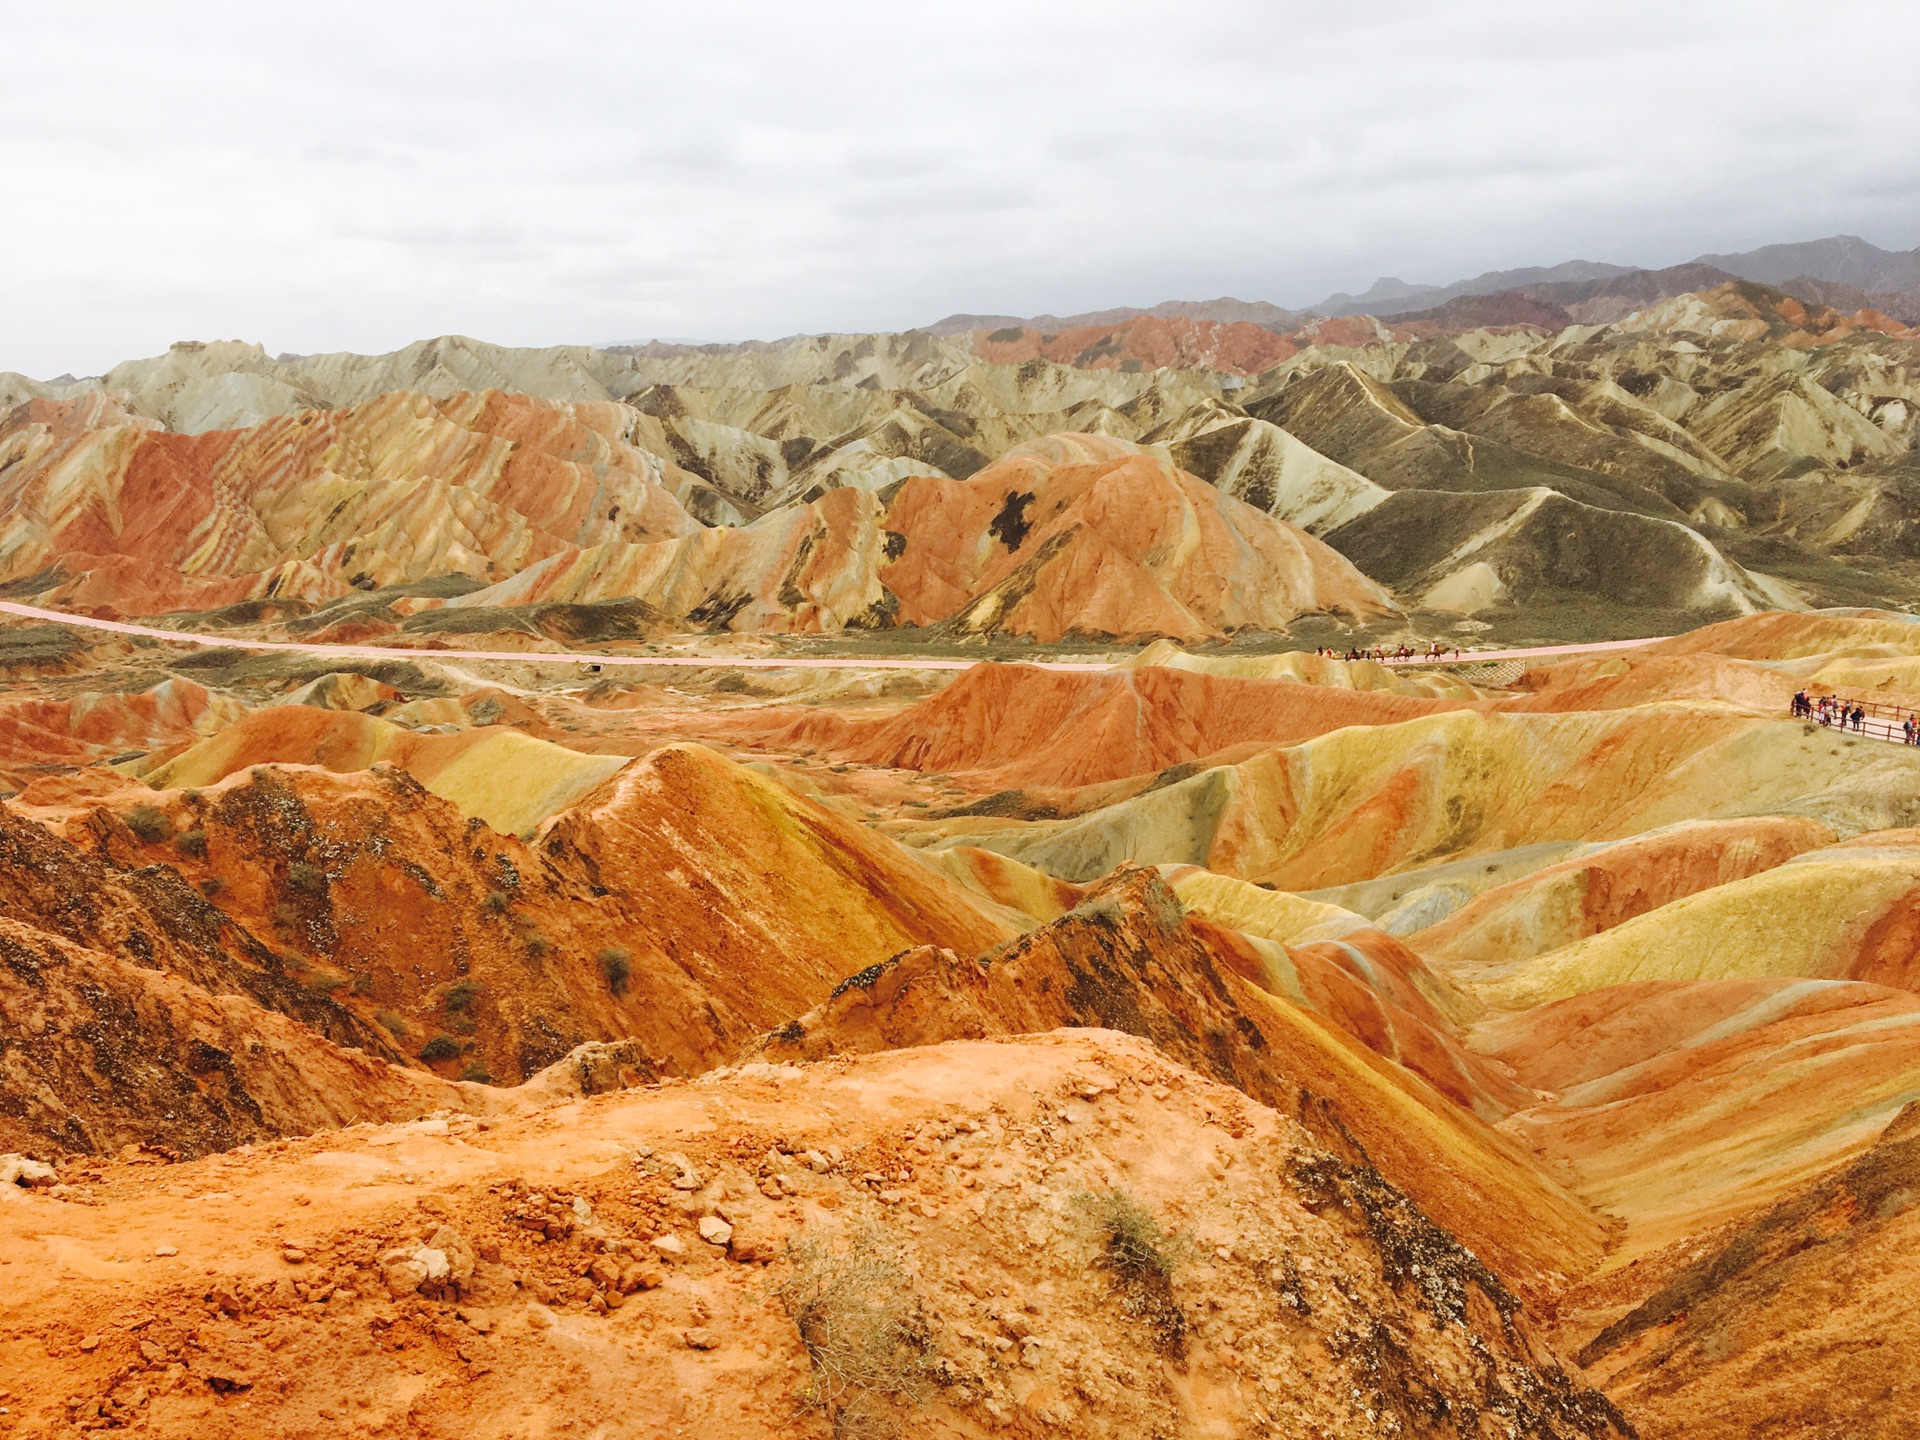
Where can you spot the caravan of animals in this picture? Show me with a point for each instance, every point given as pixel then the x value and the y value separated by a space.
pixel 1160 875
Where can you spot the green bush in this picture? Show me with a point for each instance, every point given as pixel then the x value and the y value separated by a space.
pixel 538 947
pixel 391 1023
pixel 460 997
pixel 150 824
pixel 192 842
pixel 1141 1255
pixel 615 964
pixel 496 902
pixel 440 1047
pixel 307 879
pixel 477 1073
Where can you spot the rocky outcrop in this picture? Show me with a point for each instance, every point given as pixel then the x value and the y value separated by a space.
pixel 104 1052
pixel 684 903
pixel 1128 958
pixel 715 1249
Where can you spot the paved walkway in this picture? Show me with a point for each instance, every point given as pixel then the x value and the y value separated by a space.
pixel 394 652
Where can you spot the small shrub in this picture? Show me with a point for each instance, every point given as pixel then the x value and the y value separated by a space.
pixel 460 997
pixel 538 947
pixel 391 1023
pixel 440 1047
pixel 150 824
pixel 307 879
pixel 856 1316
pixel 324 985
pixel 496 902
pixel 477 1073
pixel 212 886
pixel 1141 1255
pixel 617 967
pixel 192 843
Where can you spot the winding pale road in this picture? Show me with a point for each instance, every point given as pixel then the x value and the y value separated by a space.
pixel 387 652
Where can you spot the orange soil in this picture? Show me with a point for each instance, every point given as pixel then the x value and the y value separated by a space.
pixel 1081 536
pixel 279 1288
pixel 1007 725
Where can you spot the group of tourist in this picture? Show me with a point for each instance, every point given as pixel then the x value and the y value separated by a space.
pixel 1831 710
pixel 1436 651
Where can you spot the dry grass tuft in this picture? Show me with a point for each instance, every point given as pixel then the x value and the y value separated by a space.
pixel 855 1311
pixel 1141 1255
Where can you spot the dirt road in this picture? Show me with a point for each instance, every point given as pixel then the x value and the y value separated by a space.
pixel 388 652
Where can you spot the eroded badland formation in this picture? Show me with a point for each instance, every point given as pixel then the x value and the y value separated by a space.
pixel 422 1033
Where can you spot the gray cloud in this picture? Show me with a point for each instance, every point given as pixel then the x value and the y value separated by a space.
pixel 595 171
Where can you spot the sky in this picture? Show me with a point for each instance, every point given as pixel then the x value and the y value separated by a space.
pixel 357 176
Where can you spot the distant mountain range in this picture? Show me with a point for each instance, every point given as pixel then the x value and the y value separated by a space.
pixel 1842 270
pixel 1259 312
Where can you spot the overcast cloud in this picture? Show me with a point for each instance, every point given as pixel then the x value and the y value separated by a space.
pixel 348 176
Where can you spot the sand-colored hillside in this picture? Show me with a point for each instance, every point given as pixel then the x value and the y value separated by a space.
pixel 1679 1105
pixel 1846 912
pixel 1576 898
pixel 495 774
pixel 1363 802
pixel 1766 1325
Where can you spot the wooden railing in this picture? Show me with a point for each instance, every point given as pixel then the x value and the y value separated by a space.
pixel 1883 720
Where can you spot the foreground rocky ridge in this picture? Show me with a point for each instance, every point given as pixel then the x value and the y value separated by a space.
pixel 538 1271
